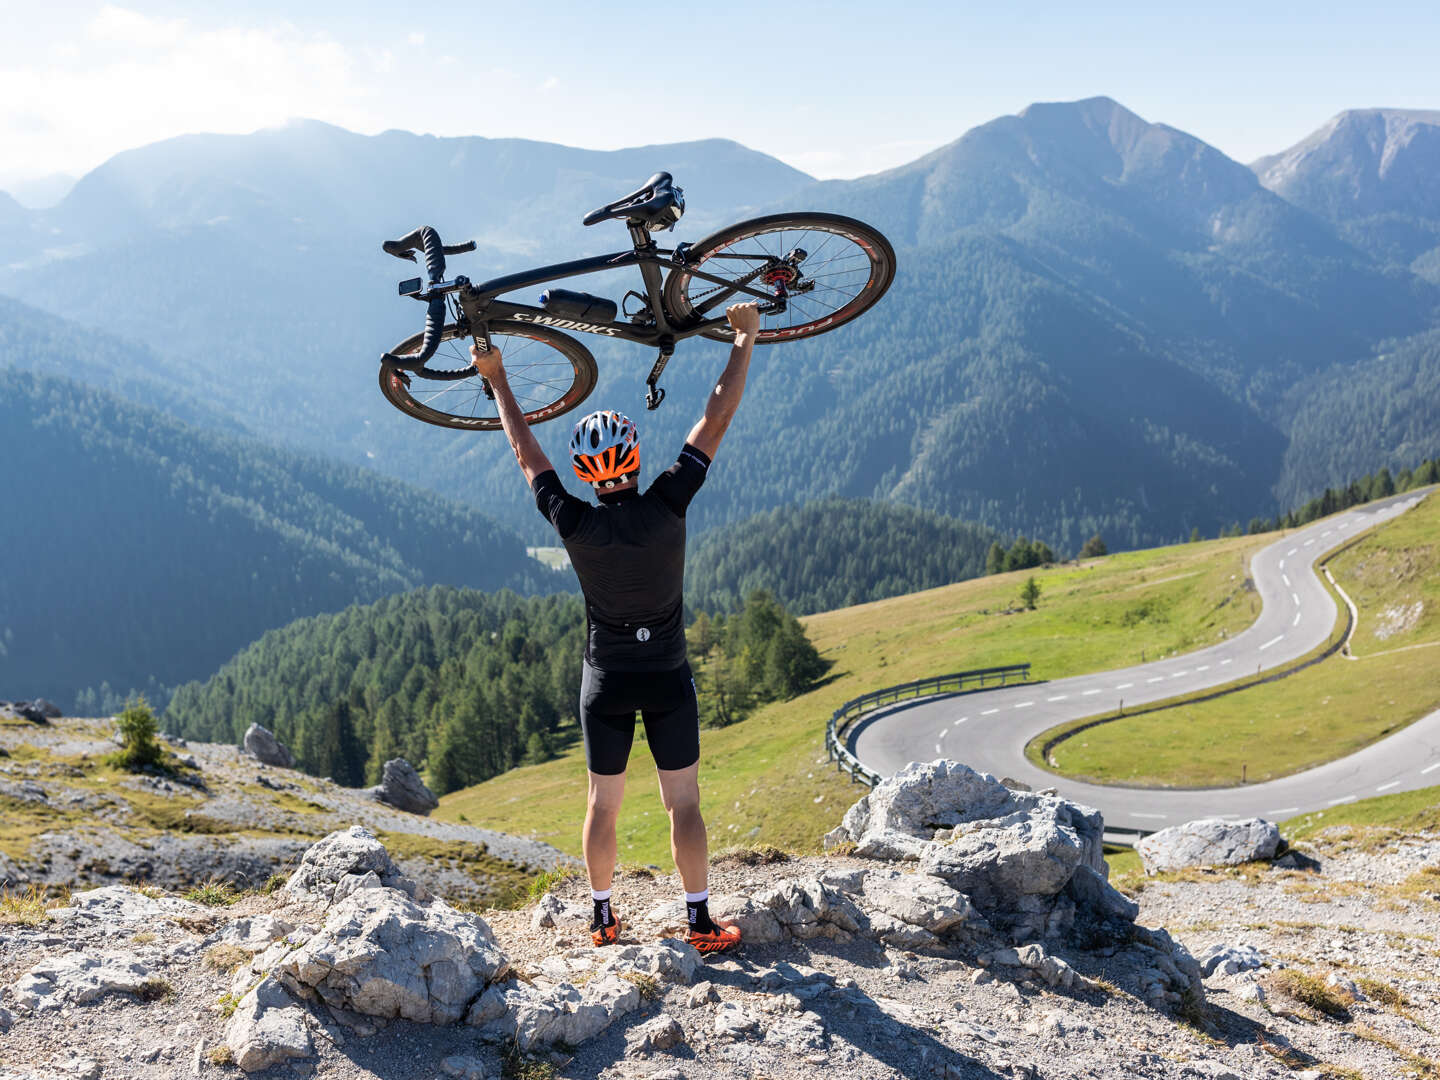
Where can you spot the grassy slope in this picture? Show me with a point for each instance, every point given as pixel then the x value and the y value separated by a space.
pixel 767 778
pixel 1322 713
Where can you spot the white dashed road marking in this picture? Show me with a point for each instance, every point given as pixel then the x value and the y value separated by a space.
pixel 988 712
pixel 1296 598
pixel 1228 660
pixel 1430 768
pixel 1387 787
pixel 1291 552
pixel 1152 817
pixel 938 750
pixel 1058 697
pixel 1342 799
pixel 1283 810
pixel 1179 674
pixel 1158 678
pixel 1087 693
pixel 1310 541
pixel 1285 578
pixel 1023 704
pixel 1326 533
pixel 962 720
pixel 1281 564
pixel 1203 667
pixel 1297 619
pixel 943 733
pixel 1272 641
pixel 1124 685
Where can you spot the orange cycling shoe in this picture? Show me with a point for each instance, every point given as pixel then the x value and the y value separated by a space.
pixel 724 936
pixel 606 935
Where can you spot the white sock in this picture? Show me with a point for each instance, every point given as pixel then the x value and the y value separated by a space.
pixel 600 894
pixel 697 897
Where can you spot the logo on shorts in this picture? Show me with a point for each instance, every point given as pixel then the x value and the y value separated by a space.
pixel 643 634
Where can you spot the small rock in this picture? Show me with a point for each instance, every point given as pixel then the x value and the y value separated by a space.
pixel 733 1022
pixel 268 1027
pixel 7 1019
pixel 662 1033
pixel 1231 959
pixel 261 744
pixel 464 1067
pixel 81 1068
pixel 1341 983
pixel 702 993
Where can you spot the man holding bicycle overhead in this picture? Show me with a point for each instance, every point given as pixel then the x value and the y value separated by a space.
pixel 629 554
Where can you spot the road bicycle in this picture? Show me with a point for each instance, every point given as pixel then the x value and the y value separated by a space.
pixel 810 273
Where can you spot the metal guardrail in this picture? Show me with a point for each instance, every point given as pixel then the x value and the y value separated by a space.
pixel 852 710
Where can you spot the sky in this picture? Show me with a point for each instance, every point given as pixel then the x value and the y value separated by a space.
pixel 839 89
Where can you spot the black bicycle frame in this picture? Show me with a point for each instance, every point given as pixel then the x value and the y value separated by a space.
pixel 480 303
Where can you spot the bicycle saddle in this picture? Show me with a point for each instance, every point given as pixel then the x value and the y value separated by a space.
pixel 657 205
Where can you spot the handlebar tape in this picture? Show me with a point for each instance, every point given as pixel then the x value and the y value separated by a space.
pixel 434 326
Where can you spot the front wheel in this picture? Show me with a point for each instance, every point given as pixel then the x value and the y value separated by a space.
pixel 829 268
pixel 548 373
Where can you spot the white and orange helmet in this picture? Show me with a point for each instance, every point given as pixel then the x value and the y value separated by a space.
pixel 605 449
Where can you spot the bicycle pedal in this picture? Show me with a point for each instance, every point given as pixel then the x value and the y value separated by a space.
pixel 653 397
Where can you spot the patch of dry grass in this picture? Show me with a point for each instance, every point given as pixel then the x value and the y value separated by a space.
pixel 226 958
pixel 1309 990
pixel 749 855
pixel 23 908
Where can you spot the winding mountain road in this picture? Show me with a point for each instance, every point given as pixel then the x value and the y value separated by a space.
pixel 988 730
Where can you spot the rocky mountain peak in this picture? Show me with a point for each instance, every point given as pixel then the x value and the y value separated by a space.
pixel 1362 162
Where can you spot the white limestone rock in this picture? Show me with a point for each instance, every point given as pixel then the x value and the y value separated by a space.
pixel 662 1033
pixel 1208 842
pixel 465 1067
pixel 255 933
pixel 380 953
pixel 268 1027
pixel 1226 959
pixel 918 899
pixel 534 1018
pixel 122 906
pixel 75 978
pixel 343 862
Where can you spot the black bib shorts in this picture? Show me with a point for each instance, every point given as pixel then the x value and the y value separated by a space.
pixel 665 700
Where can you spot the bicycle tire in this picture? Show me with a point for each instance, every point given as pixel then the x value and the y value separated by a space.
pixel 459 400
pixel 868 266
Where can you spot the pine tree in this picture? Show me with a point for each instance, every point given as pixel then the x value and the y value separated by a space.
pixel 995 558
pixel 1094 548
pixel 1030 593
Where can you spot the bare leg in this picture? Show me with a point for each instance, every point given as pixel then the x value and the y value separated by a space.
pixel 601 811
pixel 680 791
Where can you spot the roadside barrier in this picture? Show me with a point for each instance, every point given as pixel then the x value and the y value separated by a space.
pixel 959 682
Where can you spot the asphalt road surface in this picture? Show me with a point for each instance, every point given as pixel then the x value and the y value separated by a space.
pixel 988 729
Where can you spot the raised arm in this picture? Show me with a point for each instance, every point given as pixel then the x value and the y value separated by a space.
pixel 720 407
pixel 532 459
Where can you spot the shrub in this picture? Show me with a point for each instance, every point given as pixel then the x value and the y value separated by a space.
pixel 546 880
pixel 213 893
pixel 139 749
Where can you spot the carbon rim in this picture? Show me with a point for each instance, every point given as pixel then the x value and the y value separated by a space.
pixel 849 264
pixel 548 373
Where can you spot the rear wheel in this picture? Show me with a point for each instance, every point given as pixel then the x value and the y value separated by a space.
pixel 548 373
pixel 846 266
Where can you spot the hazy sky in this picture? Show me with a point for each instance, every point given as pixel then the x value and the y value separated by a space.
pixel 838 89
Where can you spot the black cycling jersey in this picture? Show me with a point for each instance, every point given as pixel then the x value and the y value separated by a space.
pixel 629 554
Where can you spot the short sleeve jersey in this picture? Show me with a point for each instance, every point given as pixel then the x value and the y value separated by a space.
pixel 629 554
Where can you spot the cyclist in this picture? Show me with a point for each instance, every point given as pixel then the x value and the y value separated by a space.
pixel 629 554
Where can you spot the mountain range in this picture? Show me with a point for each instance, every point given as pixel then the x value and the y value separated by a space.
pixel 1099 323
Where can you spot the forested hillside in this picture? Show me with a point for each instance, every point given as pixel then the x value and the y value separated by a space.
pixel 832 554
pixel 142 552
pixel 456 681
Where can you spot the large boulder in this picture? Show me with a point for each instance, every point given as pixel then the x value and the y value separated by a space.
pixel 261 744
pixel 1011 853
pixel 1208 842
pixel 382 953
pixel 343 862
pixel 401 787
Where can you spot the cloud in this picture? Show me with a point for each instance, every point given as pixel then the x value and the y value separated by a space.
pixel 416 38
pixel 550 84
pixel 138 79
